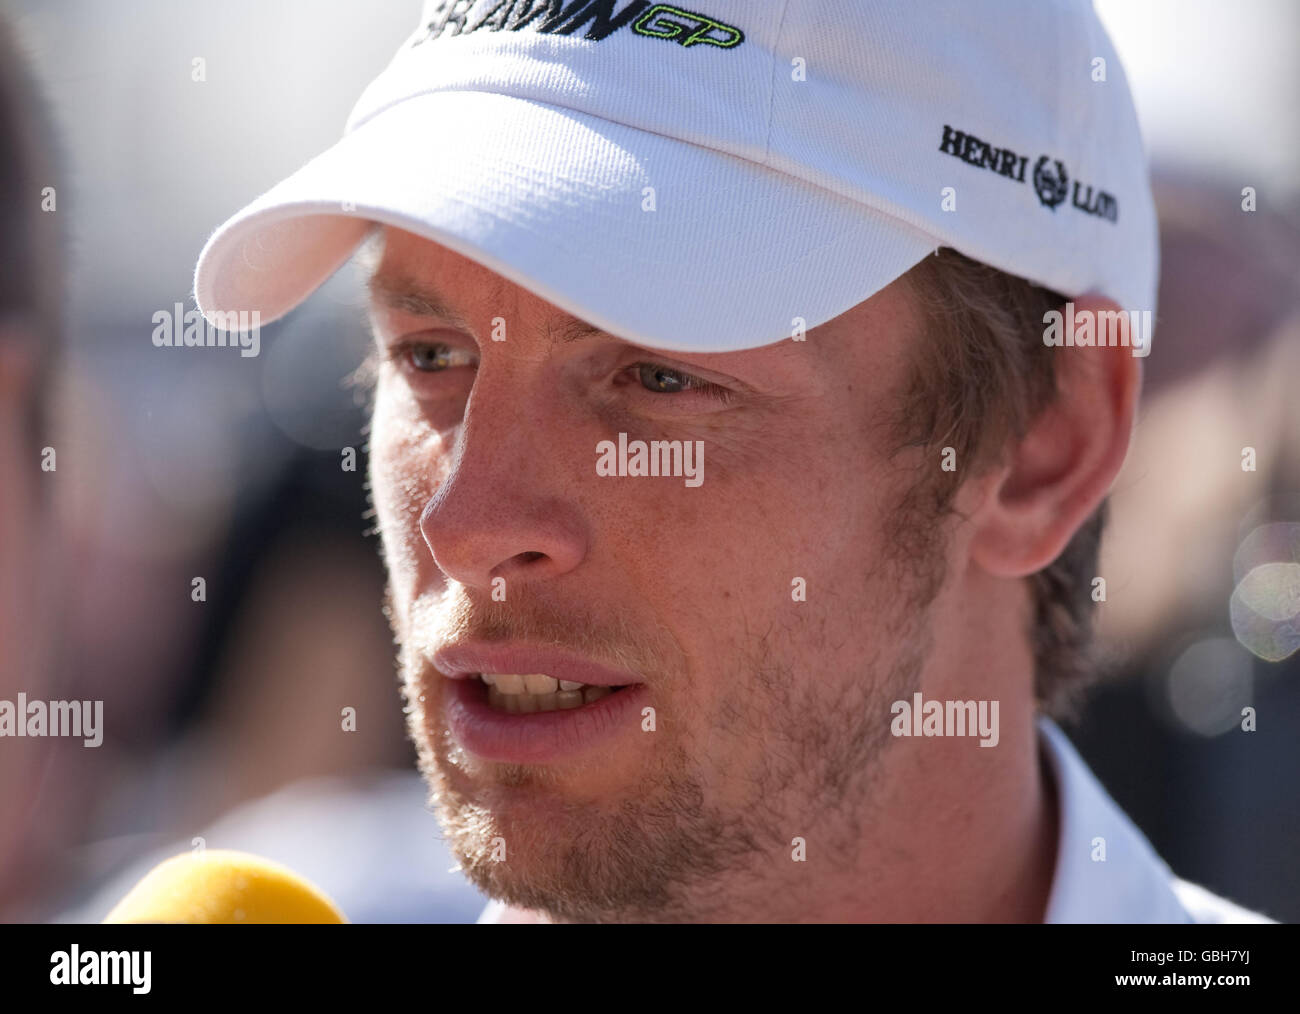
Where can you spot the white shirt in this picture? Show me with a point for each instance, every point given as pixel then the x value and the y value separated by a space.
pixel 1130 885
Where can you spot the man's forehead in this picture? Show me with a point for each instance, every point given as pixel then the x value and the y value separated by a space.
pixel 411 274
pixel 397 289
pixel 422 278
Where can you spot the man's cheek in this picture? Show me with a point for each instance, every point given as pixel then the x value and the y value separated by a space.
pixel 406 460
pixel 399 494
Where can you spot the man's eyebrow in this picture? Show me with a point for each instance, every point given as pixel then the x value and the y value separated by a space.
pixel 419 299
pixel 424 300
pixel 570 329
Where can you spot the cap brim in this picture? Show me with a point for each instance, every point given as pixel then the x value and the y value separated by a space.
pixel 663 243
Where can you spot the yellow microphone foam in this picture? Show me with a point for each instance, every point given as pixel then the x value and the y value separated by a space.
pixel 224 886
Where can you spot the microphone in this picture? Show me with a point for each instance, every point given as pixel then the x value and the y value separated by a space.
pixel 224 886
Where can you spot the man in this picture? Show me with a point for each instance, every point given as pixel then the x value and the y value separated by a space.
pixel 739 492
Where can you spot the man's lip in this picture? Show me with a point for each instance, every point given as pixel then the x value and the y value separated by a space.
pixel 467 660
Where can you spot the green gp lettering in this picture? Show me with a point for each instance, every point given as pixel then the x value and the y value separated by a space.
pixel 663 21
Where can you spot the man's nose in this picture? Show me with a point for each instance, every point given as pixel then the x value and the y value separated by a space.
pixel 503 509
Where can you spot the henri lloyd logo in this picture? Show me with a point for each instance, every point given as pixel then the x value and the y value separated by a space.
pixel 597 19
pixel 1050 180
pixel 1050 186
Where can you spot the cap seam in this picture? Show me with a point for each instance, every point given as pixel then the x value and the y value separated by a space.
pixel 771 85
pixel 1063 55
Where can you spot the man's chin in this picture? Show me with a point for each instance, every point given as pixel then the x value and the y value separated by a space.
pixel 594 843
pixel 521 841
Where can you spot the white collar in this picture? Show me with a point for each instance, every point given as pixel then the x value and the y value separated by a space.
pixel 1131 883
pixel 1134 884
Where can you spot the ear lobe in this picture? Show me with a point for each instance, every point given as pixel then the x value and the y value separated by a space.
pixel 1056 475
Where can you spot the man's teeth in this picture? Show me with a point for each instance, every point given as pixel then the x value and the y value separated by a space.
pixel 526 693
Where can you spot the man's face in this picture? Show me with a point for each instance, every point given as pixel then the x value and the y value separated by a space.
pixel 767 616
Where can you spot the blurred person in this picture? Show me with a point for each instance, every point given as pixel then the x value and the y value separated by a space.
pixel 30 328
pixel 822 260
pixel 1164 734
pixel 1230 291
pixel 196 693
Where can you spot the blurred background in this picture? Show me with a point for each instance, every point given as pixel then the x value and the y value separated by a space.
pixel 227 727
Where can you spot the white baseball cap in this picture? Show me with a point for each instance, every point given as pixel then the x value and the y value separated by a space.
pixel 706 177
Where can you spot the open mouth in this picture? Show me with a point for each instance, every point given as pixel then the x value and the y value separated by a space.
pixel 525 694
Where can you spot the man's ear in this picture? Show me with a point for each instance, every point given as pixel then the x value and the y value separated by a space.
pixel 1054 477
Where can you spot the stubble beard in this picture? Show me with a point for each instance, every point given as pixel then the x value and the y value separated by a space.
pixel 668 850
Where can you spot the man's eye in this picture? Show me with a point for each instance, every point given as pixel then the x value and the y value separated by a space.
pixel 432 357
pixel 663 380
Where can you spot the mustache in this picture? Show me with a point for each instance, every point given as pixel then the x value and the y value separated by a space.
pixel 607 635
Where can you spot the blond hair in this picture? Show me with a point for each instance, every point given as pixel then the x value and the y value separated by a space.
pixel 980 381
